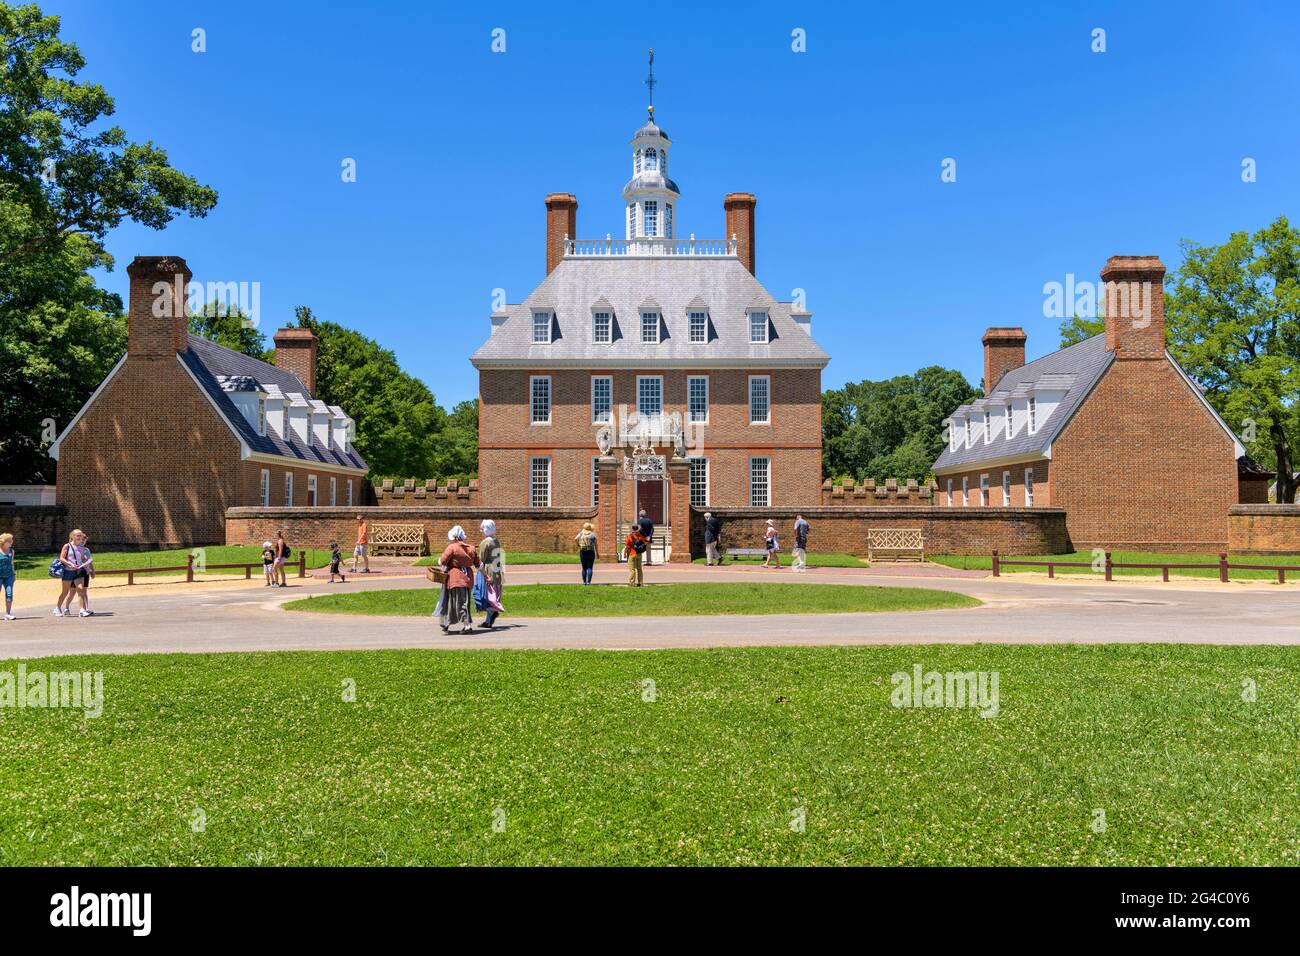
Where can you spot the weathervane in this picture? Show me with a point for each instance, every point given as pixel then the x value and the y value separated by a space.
pixel 650 82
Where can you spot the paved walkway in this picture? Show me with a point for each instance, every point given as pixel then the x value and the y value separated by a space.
pixel 239 616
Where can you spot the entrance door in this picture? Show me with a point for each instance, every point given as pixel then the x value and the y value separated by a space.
pixel 650 498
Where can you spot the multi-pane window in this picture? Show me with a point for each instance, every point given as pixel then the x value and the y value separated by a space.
pixel 539 482
pixel 602 398
pixel 595 482
pixel 760 482
pixel 1033 415
pixel 1010 429
pixel 334 492
pixel 638 161
pixel 949 492
pixel 699 322
pixel 261 416
pixel 266 488
pixel 758 327
pixel 965 492
pixel 348 501
pixel 988 424
pixel 760 405
pixel 541 399
pixel 311 490
pixel 700 482
pixel 602 327
pixel 649 395
pixel 697 395
pixel 651 217
pixel 631 219
pixel 650 327
pixel 1029 487
pixel 984 491
pixel 541 326
pixel 1006 489
pixel 288 489
pixel 668 218
pixel 651 159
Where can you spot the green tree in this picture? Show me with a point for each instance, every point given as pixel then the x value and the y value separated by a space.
pixel 1077 328
pixel 66 179
pixel 892 428
pixel 1232 320
pixel 227 325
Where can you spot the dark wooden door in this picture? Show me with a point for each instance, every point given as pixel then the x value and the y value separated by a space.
pixel 650 498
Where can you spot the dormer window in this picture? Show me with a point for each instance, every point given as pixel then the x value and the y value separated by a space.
pixel 758 328
pixel 541 327
pixel 1033 415
pixel 650 327
pixel 602 325
pixel 988 427
pixel 1010 426
pixel 261 416
pixel 699 322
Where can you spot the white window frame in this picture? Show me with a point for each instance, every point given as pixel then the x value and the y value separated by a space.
pixel 703 318
pixel 651 160
pixel 334 492
pixel 313 491
pixel 631 208
pixel 288 489
pixel 984 490
pixel 690 408
pixel 532 478
pixel 650 217
pixel 546 320
pixel 766 320
pixel 596 418
pixel 702 464
pixel 1033 414
pixel 1029 487
pixel 595 326
pixel 1010 421
pixel 349 498
pixel 261 416
pixel 949 492
pixel 965 491
pixel 533 380
pixel 656 319
pixel 1006 489
pixel 767 380
pixel 264 487
pixel 767 478
pixel 988 427
pixel 668 208
pixel 649 378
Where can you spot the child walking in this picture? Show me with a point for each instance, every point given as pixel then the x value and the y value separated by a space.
pixel 336 557
pixel 7 572
pixel 268 563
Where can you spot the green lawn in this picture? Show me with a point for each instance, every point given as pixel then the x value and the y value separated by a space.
pixel 604 600
pixel 519 557
pixel 33 565
pixel 564 751
pixel 816 559
pixel 985 562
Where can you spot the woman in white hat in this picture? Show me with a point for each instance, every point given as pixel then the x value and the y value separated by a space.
pixel 459 561
pixel 493 572
pixel 773 547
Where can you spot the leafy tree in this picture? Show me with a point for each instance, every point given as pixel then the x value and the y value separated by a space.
pixel 1077 328
pixel 891 428
pixel 226 325
pixel 1232 320
pixel 66 179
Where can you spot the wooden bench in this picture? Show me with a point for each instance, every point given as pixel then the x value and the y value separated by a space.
pixel 895 544
pixel 403 539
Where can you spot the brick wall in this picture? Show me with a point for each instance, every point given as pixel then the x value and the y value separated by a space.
pixel 947 530
pixel 35 527
pixel 520 529
pixel 867 493
pixel 1264 529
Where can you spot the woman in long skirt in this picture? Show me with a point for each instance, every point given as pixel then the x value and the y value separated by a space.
pixel 459 561
pixel 493 570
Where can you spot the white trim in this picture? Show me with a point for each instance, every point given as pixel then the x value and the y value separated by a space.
pixel 749 397
pixel 984 490
pixel 1006 488
pixel 313 491
pixel 594 419
pixel 1001 461
pixel 550 327
pixel 264 487
pixel 54 445
pixel 549 481
pixel 272 459
pixel 550 399
pixel 650 362
pixel 334 491
pixel 707 388
pixel 1029 487
pixel 752 459
pixel 647 378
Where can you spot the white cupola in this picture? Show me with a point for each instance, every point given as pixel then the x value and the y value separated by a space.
pixel 650 196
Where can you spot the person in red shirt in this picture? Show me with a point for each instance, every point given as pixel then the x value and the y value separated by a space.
pixel 636 545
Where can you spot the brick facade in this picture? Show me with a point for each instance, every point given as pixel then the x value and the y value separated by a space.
pixel 35 527
pixel 1264 529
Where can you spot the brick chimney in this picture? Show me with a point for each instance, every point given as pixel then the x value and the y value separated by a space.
pixel 295 351
pixel 561 221
pixel 740 223
pixel 158 321
pixel 1135 306
pixel 1004 349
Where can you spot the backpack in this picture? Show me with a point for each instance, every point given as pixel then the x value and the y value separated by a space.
pixel 56 568
pixel 288 552
pixel 638 545
pixel 587 542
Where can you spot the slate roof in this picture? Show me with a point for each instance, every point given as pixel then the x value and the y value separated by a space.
pixel 214 365
pixel 1076 368
pixel 676 284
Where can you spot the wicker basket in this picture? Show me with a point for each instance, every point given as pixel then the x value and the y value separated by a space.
pixel 437 575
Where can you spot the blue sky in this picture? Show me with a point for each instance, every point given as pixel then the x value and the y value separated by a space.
pixel 1064 156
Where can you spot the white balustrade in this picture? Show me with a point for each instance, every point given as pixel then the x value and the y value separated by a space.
pixel 648 247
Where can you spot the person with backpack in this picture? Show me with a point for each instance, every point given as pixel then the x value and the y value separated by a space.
pixel 636 545
pixel 74 567
pixel 801 529
pixel 772 545
pixel 647 529
pixel 587 551
pixel 282 554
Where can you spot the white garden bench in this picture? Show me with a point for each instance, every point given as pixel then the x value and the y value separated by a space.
pixel 895 544
pixel 403 539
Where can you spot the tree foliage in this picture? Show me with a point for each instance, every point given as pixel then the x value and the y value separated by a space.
pixel 892 428
pixel 401 430
pixel 66 179
pixel 227 325
pixel 1232 320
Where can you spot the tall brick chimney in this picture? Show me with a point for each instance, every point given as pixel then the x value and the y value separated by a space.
pixel 1004 349
pixel 561 221
pixel 158 321
pixel 295 351
pixel 740 223
pixel 1135 306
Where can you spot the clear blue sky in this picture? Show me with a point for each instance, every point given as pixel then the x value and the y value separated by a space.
pixel 1064 156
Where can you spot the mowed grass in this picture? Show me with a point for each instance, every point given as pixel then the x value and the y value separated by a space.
pixel 660 757
pixel 985 562
pixel 517 558
pixel 606 600
pixel 816 559
pixel 31 565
